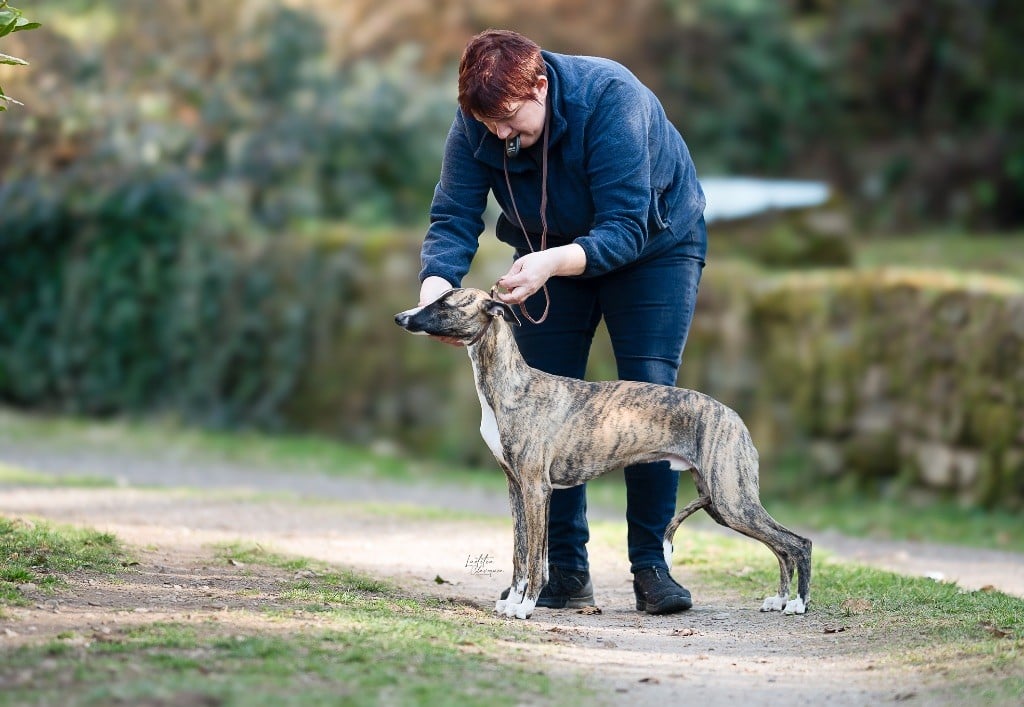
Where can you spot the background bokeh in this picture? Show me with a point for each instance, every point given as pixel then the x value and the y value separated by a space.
pixel 210 210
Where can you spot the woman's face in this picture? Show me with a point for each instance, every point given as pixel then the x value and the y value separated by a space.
pixel 525 118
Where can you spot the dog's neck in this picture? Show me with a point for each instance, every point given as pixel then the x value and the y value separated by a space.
pixel 497 362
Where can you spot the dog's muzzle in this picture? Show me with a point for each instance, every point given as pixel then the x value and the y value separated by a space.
pixel 406 321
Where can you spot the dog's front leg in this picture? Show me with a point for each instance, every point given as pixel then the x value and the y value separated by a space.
pixel 518 587
pixel 536 498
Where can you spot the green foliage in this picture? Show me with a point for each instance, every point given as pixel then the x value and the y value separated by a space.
pixel 905 106
pixel 143 304
pixel 11 20
pixel 256 110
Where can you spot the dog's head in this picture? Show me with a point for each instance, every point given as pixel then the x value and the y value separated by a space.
pixel 461 314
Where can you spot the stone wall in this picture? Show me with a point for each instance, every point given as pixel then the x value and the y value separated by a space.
pixel 914 375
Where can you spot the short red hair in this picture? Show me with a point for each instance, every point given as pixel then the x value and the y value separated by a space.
pixel 498 68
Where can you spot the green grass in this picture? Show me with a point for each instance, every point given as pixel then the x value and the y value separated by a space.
pixel 970 640
pixel 24 477
pixel 883 511
pixel 367 644
pixel 381 653
pixel 41 554
pixel 996 254
pixel 292 452
pixel 818 506
pixel 332 636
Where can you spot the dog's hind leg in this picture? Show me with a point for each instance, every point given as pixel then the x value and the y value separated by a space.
pixel 793 551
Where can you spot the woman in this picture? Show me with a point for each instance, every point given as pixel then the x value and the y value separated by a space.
pixel 601 202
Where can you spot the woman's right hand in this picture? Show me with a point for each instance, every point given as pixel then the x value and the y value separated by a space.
pixel 432 288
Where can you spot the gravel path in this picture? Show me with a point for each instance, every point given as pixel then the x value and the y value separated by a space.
pixel 721 652
pixel 971 568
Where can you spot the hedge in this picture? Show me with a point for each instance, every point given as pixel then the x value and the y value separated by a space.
pixel 142 298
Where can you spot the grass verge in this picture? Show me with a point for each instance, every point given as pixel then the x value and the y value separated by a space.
pixel 822 506
pixel 42 555
pixel 332 637
pixel 968 641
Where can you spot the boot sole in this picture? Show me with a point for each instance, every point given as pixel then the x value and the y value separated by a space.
pixel 668 605
pixel 566 602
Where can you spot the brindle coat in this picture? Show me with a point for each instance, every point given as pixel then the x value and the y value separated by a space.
pixel 552 432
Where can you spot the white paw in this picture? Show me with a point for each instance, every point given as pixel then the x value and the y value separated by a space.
pixel 525 610
pixel 499 606
pixel 774 603
pixel 795 606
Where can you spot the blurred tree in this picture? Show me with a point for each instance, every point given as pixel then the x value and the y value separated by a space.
pixel 314 109
pixel 11 20
pixel 906 106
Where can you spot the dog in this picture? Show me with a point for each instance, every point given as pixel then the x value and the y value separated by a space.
pixel 550 432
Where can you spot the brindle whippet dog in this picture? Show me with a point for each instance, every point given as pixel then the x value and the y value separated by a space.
pixel 551 432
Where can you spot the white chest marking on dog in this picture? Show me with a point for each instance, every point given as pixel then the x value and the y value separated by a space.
pixel 489 426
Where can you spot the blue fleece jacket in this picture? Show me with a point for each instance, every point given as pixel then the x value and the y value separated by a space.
pixel 621 182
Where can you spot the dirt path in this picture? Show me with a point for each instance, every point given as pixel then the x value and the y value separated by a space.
pixel 721 652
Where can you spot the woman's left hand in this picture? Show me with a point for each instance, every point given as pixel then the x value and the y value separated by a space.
pixel 529 273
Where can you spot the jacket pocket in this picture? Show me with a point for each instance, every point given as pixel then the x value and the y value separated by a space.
pixel 657 217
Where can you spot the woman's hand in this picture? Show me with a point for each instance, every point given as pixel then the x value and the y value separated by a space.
pixel 529 273
pixel 432 288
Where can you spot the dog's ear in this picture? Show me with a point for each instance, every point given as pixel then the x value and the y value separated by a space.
pixel 497 308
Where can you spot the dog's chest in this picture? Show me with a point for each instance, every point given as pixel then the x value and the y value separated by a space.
pixel 489 430
pixel 489 425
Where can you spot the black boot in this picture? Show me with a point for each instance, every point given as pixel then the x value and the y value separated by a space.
pixel 566 589
pixel 657 593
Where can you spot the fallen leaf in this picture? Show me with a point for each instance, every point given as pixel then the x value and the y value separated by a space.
pixel 652 681
pixel 684 632
pixel 235 563
pixel 836 629
pixel 987 588
pixel 589 611
pixel 440 580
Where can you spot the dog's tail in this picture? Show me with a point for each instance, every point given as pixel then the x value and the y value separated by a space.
pixel 670 530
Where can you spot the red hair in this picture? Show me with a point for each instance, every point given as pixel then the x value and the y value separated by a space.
pixel 498 68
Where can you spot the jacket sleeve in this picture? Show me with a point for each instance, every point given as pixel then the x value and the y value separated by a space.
pixel 618 164
pixel 456 213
